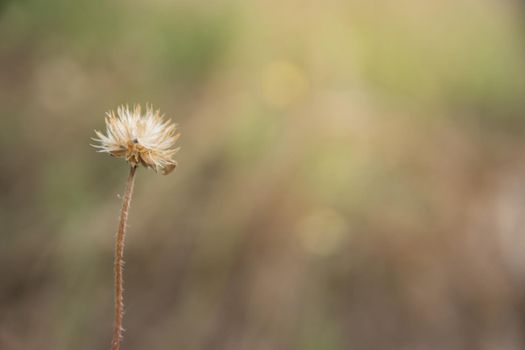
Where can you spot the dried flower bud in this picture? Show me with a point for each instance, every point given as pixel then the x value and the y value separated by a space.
pixel 141 139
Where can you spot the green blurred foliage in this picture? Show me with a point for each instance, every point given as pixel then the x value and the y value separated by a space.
pixel 351 174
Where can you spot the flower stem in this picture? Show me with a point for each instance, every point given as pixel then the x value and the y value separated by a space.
pixel 119 261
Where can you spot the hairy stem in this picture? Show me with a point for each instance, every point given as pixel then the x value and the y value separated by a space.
pixel 119 261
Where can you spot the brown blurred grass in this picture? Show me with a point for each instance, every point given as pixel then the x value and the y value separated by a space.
pixel 351 175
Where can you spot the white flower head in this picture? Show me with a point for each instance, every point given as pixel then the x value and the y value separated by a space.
pixel 146 139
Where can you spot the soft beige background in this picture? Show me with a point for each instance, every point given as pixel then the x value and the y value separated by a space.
pixel 352 174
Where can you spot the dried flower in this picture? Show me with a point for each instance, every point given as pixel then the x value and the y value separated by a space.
pixel 146 139
pixel 141 139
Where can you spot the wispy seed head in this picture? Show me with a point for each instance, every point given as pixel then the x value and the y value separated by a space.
pixel 146 139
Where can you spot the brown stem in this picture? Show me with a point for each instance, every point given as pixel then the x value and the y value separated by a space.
pixel 119 261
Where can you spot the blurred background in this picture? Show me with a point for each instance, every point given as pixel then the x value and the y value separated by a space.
pixel 352 174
